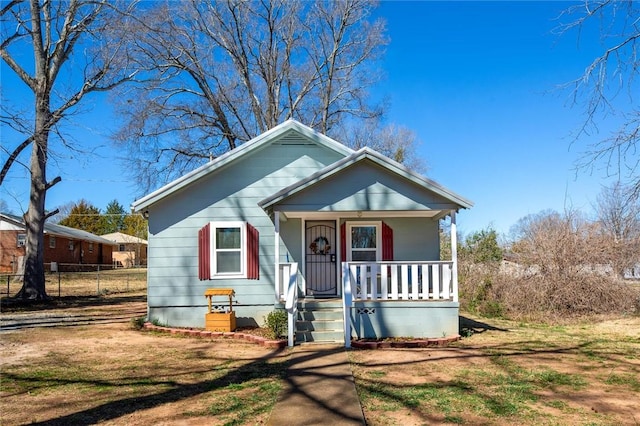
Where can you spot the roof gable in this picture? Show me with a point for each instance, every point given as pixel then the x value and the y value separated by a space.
pixel 441 195
pixel 122 238
pixel 282 132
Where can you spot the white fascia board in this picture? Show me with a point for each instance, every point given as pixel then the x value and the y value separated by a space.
pixel 181 182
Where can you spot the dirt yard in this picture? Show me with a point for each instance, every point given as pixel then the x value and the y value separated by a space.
pixel 507 373
pixel 85 364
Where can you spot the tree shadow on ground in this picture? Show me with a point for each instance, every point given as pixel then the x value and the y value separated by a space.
pixel 470 326
pixel 300 367
pixel 10 304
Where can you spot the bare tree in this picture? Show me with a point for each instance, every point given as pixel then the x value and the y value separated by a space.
pixel 608 89
pixel 396 142
pixel 222 72
pixel 61 51
pixel 619 216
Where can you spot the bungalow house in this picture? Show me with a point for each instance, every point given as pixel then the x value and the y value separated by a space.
pixel 346 241
pixel 129 251
pixel 62 245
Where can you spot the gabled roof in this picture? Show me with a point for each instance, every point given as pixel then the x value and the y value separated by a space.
pixel 122 238
pixel 358 156
pixel 252 145
pixel 59 230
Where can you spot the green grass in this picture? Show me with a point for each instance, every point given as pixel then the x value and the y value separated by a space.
pixel 530 375
pixel 628 380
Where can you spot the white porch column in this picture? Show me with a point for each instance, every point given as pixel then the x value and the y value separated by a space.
pixel 276 218
pixel 454 256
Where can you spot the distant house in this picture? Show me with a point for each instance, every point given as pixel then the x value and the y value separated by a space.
pixel 129 251
pixel 347 241
pixel 62 245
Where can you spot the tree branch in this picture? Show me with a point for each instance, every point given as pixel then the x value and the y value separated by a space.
pixel 13 156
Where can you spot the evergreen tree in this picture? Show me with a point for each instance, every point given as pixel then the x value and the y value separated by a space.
pixel 114 217
pixel 84 216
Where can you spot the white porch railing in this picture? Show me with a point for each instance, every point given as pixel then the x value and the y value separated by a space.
pixel 400 280
pixel 395 281
pixel 288 292
pixel 285 270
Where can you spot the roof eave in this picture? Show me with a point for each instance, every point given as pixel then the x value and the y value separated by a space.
pixel 357 156
pixel 181 182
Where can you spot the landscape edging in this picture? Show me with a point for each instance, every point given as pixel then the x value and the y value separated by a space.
pixel 414 343
pixel 190 332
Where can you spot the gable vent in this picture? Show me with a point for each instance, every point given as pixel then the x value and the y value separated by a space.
pixel 293 138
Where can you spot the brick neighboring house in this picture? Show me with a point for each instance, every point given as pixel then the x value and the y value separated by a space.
pixel 129 250
pixel 62 244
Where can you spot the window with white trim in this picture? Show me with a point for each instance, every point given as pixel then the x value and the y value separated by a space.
pixel 228 247
pixel 228 250
pixel 52 241
pixel 364 241
pixel 21 240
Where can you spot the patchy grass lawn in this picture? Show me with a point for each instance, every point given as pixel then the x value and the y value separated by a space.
pixel 94 368
pixel 508 373
pixel 109 373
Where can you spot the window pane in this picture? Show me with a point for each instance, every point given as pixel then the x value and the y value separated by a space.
pixel 228 238
pixel 363 237
pixel 363 256
pixel 228 261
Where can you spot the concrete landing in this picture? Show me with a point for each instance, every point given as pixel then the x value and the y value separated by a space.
pixel 320 389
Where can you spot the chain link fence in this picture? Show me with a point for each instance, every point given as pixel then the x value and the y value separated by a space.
pixel 82 280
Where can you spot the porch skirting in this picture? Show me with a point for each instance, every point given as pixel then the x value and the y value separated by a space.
pixel 378 319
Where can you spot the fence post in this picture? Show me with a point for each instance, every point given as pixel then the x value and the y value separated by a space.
pixel 8 283
pixel 127 281
pixel 98 280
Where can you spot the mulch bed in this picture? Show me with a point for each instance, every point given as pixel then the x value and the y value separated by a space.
pixel 398 342
pixel 259 336
pixel 252 335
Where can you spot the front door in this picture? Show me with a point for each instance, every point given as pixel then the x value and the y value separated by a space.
pixel 320 258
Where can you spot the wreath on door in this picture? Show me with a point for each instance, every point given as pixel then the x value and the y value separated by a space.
pixel 320 246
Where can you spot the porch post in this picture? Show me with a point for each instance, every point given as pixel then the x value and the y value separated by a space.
pixel 276 218
pixel 454 256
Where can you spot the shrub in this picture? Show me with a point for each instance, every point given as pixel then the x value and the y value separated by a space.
pixel 137 323
pixel 276 322
pixel 562 272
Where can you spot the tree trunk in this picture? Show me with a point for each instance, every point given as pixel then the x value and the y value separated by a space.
pixel 33 286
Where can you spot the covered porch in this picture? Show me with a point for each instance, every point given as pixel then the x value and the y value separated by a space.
pixel 380 298
pixel 365 232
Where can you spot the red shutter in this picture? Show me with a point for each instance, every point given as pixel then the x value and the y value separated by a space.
pixel 343 241
pixel 387 242
pixel 204 252
pixel 253 253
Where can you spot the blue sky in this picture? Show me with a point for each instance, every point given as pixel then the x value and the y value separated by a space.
pixel 477 83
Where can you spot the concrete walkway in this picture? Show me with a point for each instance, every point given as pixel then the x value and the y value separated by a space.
pixel 320 390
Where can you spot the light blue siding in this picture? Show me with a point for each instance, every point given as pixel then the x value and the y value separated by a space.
pixel 380 319
pixel 367 187
pixel 232 193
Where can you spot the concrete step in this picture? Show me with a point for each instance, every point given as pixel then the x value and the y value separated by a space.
pixel 326 336
pixel 319 321
pixel 320 325
pixel 320 315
